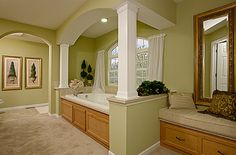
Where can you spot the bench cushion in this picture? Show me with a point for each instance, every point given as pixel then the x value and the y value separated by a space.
pixel 202 122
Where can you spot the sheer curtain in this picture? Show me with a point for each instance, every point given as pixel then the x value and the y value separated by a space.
pixel 156 51
pixel 99 79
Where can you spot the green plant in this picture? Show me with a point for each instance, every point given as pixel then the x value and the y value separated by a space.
pixel 12 72
pixel 83 74
pixel 89 77
pixel 152 88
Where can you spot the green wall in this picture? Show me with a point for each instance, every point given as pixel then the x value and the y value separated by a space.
pixel 209 38
pixel 135 126
pixel 179 44
pixel 24 49
pixel 83 49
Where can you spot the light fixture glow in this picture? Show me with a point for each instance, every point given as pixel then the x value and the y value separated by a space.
pixel 104 20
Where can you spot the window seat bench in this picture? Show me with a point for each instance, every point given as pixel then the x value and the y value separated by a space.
pixel 190 132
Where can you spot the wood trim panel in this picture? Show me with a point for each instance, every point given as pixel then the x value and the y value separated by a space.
pixel 79 117
pixel 97 125
pixel 66 110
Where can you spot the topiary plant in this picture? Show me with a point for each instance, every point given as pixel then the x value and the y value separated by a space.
pixel 83 74
pixel 89 77
pixel 151 88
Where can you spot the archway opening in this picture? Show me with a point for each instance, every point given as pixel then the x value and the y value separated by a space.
pixel 29 57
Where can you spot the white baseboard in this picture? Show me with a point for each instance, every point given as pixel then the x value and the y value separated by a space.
pixel 150 149
pixel 23 107
pixel 54 115
pixel 110 153
pixel 145 152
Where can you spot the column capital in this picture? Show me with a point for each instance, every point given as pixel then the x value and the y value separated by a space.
pixel 127 5
pixel 64 45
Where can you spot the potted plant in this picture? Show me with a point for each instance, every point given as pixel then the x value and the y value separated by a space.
pixel 89 77
pixel 12 73
pixel 83 74
pixel 152 88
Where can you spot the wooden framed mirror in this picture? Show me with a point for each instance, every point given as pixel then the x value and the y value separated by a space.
pixel 214 33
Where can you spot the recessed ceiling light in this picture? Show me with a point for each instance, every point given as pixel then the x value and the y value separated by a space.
pixel 104 20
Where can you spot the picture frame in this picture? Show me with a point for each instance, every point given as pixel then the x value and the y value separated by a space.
pixel 33 73
pixel 11 72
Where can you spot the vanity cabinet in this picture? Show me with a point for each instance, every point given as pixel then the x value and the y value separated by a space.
pixel 192 142
pixel 93 123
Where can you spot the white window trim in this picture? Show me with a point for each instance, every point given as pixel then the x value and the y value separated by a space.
pixel 142 50
pixel 109 63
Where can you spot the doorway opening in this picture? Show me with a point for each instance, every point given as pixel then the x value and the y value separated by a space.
pixel 219 66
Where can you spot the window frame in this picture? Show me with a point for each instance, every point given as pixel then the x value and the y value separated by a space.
pixel 141 50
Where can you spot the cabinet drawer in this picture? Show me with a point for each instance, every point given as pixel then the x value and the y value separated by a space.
pixel 214 148
pixel 180 138
pixel 66 110
pixel 79 116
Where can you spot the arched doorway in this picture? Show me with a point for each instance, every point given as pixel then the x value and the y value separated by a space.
pixel 28 95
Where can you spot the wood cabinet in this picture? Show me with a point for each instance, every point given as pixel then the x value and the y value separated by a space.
pixel 97 125
pixel 210 147
pixel 66 110
pixel 79 117
pixel 93 123
pixel 188 141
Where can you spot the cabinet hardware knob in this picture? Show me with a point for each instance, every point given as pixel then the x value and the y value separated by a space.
pixel 180 139
pixel 220 152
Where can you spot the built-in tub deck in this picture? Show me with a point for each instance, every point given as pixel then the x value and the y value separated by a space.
pixel 90 113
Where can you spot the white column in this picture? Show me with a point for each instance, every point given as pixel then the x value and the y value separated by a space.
pixel 64 49
pixel 127 34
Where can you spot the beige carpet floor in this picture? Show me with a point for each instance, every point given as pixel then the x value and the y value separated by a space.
pixel 26 132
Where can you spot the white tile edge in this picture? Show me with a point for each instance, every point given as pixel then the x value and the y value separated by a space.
pixel 150 149
pixel 23 107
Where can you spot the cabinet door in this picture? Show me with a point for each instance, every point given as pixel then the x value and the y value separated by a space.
pixel 79 116
pixel 217 148
pixel 97 125
pixel 66 110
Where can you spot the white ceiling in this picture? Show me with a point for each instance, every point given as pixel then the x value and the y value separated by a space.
pixel 43 13
pixel 100 28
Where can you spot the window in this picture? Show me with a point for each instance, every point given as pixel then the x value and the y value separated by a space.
pixel 141 62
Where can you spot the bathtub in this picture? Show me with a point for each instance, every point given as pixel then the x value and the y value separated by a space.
pixel 96 101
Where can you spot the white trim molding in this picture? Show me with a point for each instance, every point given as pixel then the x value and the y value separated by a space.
pixel 64 58
pixel 110 153
pixel 150 149
pixel 23 107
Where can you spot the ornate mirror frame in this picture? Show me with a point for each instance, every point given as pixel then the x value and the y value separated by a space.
pixel 229 10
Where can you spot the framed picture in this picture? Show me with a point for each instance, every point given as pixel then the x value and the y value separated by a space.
pixel 11 73
pixel 33 73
